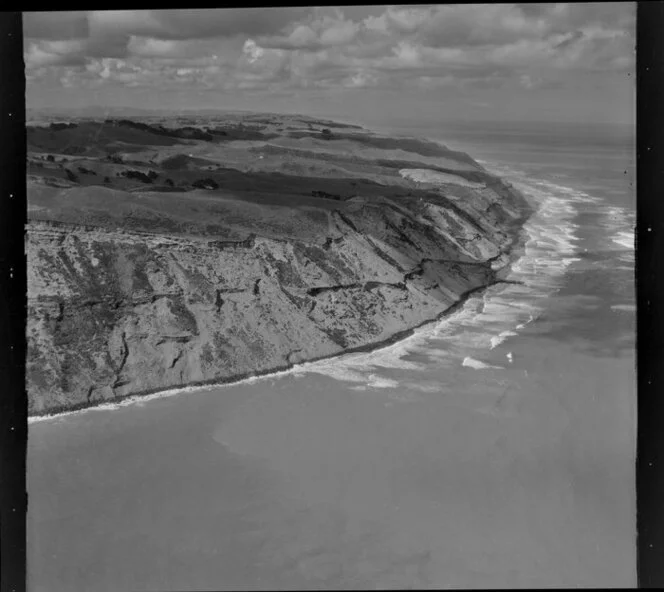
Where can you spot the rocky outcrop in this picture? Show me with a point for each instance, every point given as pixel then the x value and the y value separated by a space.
pixel 115 313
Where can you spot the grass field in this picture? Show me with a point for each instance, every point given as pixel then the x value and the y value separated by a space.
pixel 238 174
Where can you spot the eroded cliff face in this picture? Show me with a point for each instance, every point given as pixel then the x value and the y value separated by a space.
pixel 114 313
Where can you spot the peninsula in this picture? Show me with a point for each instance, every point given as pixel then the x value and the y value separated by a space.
pixel 168 253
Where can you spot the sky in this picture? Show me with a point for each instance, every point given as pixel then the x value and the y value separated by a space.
pixel 486 62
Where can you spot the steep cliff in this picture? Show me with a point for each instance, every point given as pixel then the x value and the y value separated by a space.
pixel 115 311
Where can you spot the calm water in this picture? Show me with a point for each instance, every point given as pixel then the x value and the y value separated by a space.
pixel 495 449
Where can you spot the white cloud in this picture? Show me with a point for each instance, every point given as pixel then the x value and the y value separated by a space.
pixel 361 79
pixel 54 53
pixel 322 47
pixel 407 20
pixel 252 51
pixel 151 47
pixel 339 33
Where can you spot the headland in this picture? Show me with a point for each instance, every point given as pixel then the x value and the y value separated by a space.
pixel 170 253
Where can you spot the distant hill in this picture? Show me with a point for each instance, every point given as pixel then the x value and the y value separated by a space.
pixel 101 113
pixel 91 111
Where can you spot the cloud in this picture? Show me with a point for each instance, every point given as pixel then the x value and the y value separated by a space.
pixel 458 25
pixel 152 47
pixel 428 47
pixel 117 33
pixel 124 23
pixel 54 53
pixel 252 51
pixel 194 51
pixel 194 24
pixel 361 79
pixel 320 30
pixel 339 33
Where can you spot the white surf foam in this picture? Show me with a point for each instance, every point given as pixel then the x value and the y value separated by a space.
pixel 477 364
pixel 486 321
pixel 364 367
pixel 624 307
pixel 550 249
pixel 624 239
pixel 619 223
pixel 576 194
pixel 496 341
pixel 139 400
pixel 531 318
pixel 376 381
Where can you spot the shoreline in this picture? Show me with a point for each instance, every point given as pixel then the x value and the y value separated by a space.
pixel 514 252
pixel 514 238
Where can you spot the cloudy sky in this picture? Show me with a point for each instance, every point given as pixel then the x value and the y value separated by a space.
pixel 541 62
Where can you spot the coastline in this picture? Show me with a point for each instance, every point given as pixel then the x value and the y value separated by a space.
pixel 513 252
pixel 87 354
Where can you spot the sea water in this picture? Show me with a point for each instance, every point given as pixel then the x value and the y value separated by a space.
pixel 493 449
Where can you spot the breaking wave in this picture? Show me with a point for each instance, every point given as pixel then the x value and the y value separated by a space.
pixel 488 320
pixel 476 364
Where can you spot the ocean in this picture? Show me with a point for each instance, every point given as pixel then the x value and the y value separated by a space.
pixel 493 449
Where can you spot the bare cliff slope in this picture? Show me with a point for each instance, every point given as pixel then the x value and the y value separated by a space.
pixel 134 289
